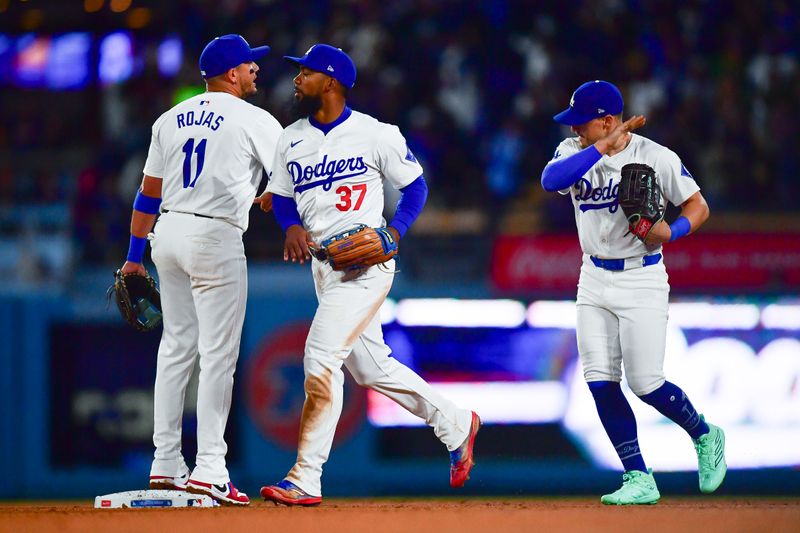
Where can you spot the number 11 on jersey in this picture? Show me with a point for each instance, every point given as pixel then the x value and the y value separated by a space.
pixel 188 149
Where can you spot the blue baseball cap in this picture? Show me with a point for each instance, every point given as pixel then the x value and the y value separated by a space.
pixel 591 100
pixel 328 60
pixel 227 52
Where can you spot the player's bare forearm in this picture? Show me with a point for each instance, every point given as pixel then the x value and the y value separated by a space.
pixel 696 211
pixel 142 223
pixel 297 243
pixel 616 138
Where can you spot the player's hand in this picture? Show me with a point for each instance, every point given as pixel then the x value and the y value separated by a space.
pixel 296 247
pixel 264 202
pixel 133 268
pixel 660 233
pixel 616 138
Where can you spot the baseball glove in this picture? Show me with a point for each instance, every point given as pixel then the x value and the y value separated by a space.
pixel 138 300
pixel 360 247
pixel 640 198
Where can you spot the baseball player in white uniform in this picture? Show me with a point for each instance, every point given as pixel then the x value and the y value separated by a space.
pixel 327 178
pixel 206 160
pixel 623 289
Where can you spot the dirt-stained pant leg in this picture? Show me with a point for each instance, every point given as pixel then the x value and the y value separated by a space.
pixel 347 310
pixel 372 366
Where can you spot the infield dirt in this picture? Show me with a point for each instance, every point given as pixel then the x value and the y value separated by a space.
pixel 705 515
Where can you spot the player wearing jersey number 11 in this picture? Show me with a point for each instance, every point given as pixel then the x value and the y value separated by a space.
pixel 206 160
pixel 623 290
pixel 328 178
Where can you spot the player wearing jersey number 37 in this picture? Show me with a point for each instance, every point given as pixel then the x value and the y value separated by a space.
pixel 328 178
pixel 623 290
pixel 206 160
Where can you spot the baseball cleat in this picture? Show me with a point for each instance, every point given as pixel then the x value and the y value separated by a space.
pixel 638 488
pixel 461 459
pixel 169 482
pixel 711 465
pixel 288 493
pixel 225 494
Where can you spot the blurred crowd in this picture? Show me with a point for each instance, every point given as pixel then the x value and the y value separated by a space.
pixel 472 85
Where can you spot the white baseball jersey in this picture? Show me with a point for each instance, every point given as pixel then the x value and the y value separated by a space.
pixel 336 179
pixel 210 151
pixel 602 225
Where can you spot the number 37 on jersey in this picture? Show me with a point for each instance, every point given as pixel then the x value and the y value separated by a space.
pixel 351 196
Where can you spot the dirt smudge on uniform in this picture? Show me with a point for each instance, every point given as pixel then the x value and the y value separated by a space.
pixel 359 329
pixel 318 399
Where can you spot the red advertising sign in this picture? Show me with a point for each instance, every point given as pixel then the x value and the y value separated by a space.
pixel 703 261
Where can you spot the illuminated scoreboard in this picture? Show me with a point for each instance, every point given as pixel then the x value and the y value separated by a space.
pixel 518 364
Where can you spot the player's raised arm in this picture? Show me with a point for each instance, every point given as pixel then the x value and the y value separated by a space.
pixel 561 173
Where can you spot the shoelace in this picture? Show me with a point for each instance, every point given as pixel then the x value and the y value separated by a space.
pixel 704 451
pixel 630 478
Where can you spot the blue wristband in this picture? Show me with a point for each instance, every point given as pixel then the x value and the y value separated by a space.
pixel 679 228
pixel 146 204
pixel 136 249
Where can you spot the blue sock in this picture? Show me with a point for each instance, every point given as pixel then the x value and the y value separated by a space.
pixel 618 420
pixel 672 402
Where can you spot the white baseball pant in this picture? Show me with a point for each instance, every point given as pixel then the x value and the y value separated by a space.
pixel 347 330
pixel 622 319
pixel 202 273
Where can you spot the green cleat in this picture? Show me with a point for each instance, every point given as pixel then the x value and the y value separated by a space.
pixel 637 488
pixel 711 464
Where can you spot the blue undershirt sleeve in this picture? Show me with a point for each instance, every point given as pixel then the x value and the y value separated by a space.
pixel 410 205
pixel 563 173
pixel 285 211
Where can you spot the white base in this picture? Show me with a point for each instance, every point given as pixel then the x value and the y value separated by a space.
pixel 138 499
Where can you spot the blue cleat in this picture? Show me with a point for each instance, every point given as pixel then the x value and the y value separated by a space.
pixel 288 493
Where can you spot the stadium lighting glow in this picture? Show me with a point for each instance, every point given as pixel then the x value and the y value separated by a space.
pixel 388 311
pixel 776 316
pixel 702 315
pixel 68 65
pixel 116 58
pixel 552 314
pixel 170 56
pixel 447 312
pixel 527 402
